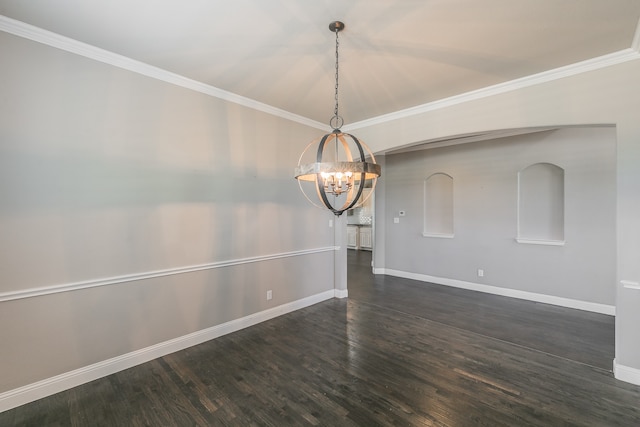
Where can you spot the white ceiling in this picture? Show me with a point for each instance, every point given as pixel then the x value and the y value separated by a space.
pixel 393 54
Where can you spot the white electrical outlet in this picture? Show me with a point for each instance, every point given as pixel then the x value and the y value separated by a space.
pixel 396 220
pixel 269 295
pixel 480 272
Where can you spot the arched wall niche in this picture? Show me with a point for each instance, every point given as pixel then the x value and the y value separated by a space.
pixel 438 206
pixel 541 204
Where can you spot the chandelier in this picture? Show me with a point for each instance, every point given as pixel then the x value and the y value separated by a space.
pixel 338 171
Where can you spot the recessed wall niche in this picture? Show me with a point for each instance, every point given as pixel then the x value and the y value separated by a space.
pixel 438 206
pixel 541 204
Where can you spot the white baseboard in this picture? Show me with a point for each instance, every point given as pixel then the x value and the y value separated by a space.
pixel 625 373
pixel 341 293
pixel 513 293
pixel 20 396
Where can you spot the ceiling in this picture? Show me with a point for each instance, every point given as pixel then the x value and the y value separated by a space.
pixel 393 54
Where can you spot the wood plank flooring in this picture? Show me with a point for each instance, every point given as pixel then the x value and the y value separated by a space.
pixel 397 352
pixel 577 335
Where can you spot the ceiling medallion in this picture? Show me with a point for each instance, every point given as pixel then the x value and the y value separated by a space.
pixel 343 166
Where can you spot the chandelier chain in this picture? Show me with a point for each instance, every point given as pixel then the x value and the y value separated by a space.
pixel 335 111
pixel 342 177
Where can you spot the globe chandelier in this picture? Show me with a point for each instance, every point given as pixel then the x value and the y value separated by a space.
pixel 341 167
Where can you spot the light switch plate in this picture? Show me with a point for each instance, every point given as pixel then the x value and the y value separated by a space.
pixel 396 220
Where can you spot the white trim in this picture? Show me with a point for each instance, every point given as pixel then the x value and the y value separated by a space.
pixel 603 61
pixel 49 38
pixel 541 242
pixel 626 373
pixel 441 236
pixel 630 284
pixel 47 290
pixel 340 293
pixel 513 293
pixel 20 396
pixel 635 44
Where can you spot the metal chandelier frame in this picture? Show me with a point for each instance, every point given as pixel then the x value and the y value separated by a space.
pixel 343 167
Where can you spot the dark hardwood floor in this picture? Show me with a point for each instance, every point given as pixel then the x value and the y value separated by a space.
pixel 574 334
pixel 397 352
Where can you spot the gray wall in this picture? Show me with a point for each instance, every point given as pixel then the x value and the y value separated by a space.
pixel 485 181
pixel 607 95
pixel 106 174
pixel 150 177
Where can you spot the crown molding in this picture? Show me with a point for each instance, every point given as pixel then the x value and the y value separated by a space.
pixel 604 61
pixel 27 31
